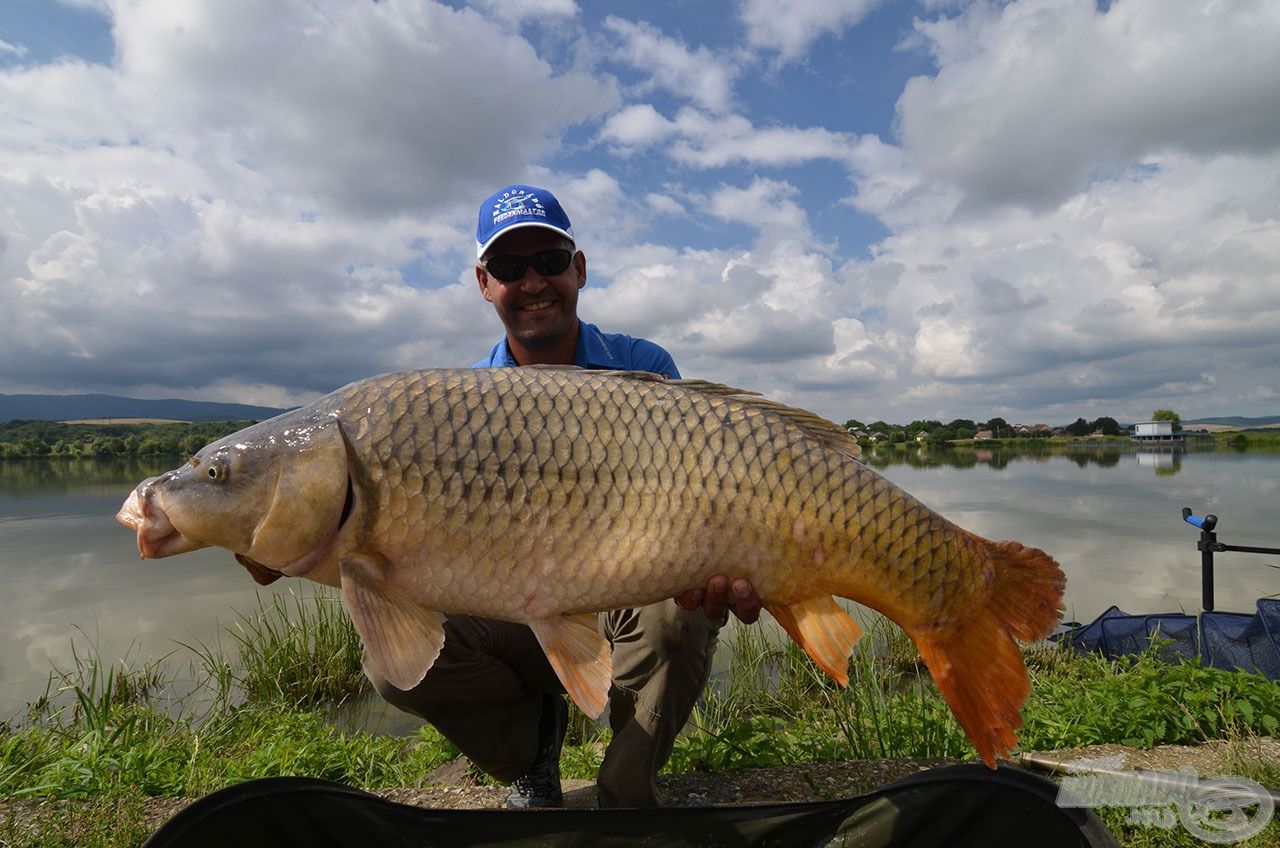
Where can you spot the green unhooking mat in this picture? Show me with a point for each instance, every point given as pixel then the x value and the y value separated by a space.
pixel 953 806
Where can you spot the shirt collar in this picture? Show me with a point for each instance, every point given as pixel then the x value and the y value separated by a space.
pixel 589 352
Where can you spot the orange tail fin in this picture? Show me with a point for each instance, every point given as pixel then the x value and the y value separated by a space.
pixel 976 663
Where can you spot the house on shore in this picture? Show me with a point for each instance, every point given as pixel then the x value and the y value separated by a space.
pixel 1155 431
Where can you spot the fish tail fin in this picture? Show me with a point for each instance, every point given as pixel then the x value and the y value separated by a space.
pixel 976 662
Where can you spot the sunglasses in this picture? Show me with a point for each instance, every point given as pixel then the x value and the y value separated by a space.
pixel 546 263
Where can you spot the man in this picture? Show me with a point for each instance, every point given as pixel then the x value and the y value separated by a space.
pixel 492 691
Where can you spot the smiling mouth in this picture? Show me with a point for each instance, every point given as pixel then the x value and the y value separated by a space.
pixel 537 306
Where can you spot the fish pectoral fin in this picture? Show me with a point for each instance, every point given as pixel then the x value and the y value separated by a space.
pixel 261 575
pixel 825 631
pixel 580 656
pixel 401 639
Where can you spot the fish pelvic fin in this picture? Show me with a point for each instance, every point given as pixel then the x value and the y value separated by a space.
pixel 976 662
pixel 261 575
pixel 825 631
pixel 580 657
pixel 401 639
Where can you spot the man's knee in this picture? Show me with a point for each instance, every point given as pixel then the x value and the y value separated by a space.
pixel 411 701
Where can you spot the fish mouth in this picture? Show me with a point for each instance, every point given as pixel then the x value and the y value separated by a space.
pixel 157 537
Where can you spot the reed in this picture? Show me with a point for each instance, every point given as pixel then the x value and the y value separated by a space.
pixel 296 650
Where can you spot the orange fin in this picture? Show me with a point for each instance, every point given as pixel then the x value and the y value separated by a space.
pixel 580 656
pixel 401 639
pixel 976 662
pixel 823 629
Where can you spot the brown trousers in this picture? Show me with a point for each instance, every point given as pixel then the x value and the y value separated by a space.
pixel 484 693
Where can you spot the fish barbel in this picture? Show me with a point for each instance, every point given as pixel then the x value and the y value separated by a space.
pixel 544 494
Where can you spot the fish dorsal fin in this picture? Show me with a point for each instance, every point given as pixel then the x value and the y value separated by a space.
pixel 827 433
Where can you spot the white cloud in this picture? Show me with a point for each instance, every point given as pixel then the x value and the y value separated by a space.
pixel 1033 99
pixel 710 142
pixel 372 106
pixel 704 140
pixel 765 205
pixel 12 49
pixel 636 126
pixel 224 212
pixel 521 10
pixel 698 74
pixel 1156 288
pixel 792 28
pixel 664 204
pixel 1089 299
pixel 604 214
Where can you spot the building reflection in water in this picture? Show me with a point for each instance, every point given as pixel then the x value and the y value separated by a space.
pixel 1165 459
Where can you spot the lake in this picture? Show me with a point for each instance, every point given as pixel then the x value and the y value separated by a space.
pixel 1110 516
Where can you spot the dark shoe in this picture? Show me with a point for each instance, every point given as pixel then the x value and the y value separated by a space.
pixel 541 786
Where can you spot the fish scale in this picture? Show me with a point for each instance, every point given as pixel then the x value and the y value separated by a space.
pixel 543 495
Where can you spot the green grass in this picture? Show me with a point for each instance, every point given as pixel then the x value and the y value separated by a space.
pixel 109 736
pixel 1244 440
pixel 302 651
pixel 1141 702
pixel 774 708
pixel 106 821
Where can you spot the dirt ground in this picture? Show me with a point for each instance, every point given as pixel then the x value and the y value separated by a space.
pixel 449 787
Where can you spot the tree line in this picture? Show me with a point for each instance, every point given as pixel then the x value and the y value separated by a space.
pixel 25 439
pixel 965 428
pixel 20 439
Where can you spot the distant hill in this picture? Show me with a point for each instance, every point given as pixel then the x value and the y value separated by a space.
pixel 1236 421
pixel 80 407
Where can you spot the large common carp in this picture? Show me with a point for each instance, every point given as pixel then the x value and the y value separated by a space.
pixel 542 495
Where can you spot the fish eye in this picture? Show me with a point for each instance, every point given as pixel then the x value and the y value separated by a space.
pixel 217 471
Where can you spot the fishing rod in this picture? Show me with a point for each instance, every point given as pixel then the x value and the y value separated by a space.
pixel 1208 546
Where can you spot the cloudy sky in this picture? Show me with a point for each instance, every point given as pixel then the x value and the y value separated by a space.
pixel 1040 209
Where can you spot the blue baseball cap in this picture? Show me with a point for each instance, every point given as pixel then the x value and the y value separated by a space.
pixel 519 206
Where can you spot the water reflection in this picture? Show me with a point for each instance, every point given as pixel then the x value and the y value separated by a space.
pixel 42 476
pixel 1164 461
pixel 998 457
pixel 71 572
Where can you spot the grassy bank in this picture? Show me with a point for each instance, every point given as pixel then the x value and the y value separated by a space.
pixel 111 735
pixel 1244 440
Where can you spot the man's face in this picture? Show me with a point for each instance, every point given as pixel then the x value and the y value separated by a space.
pixel 537 311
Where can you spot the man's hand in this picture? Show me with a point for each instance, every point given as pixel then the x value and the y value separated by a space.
pixel 723 594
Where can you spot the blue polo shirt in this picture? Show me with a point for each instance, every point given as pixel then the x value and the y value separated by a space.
pixel 616 351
